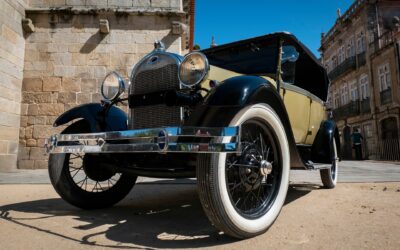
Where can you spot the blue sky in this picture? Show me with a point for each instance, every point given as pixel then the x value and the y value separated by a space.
pixel 232 20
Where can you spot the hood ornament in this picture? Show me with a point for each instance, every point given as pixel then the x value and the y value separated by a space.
pixel 158 45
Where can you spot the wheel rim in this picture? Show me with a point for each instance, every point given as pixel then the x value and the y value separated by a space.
pixel 335 161
pixel 254 177
pixel 81 179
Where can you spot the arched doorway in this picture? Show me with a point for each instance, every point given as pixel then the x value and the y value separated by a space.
pixel 347 146
pixel 389 146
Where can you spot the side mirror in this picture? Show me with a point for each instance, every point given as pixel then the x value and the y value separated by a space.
pixel 289 54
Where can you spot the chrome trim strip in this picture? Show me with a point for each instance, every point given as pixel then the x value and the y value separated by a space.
pixel 161 140
pixel 299 90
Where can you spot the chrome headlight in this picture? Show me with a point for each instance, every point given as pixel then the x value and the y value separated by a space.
pixel 193 69
pixel 113 86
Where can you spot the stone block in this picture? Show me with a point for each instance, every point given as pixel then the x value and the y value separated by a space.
pixel 67 97
pixel 37 153
pixel 30 98
pixel 28 132
pixel 31 120
pixel 40 120
pixel 32 84
pixel 3 147
pixel 50 109
pixel 79 59
pixel 52 84
pixel 23 123
pixel 61 58
pixel 25 164
pixel 75 2
pixel 31 143
pixel 69 84
pixel 23 153
pixel 83 98
pixel 9 120
pixel 32 109
pixel 160 3
pixel 96 3
pixel 13 147
pixel 66 71
pixel 99 59
pixel 89 85
pixel 9 133
pixel 41 164
pixel 141 3
pixel 8 162
pixel 9 34
pixel 120 3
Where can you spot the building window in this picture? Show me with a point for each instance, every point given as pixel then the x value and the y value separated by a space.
pixel 336 100
pixel 364 87
pixel 360 42
pixel 351 50
pixel 384 77
pixel 341 55
pixel 367 128
pixel 354 91
pixel 344 95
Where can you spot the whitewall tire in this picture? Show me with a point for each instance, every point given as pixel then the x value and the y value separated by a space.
pixel 243 195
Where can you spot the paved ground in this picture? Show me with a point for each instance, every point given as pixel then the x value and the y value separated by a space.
pixel 349 171
pixel 167 214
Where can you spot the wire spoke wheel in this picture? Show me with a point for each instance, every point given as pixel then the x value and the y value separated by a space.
pixel 242 194
pixel 88 181
pixel 253 177
pixel 99 182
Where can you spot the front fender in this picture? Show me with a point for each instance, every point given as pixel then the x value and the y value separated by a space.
pixel 95 117
pixel 321 148
pixel 226 100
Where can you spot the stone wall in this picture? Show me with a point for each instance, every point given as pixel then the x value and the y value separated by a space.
pixel 67 58
pixel 162 4
pixel 12 45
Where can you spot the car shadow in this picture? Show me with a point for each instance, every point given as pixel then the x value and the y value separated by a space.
pixel 161 215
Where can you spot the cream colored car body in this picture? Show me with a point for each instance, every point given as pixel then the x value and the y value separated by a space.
pixel 305 110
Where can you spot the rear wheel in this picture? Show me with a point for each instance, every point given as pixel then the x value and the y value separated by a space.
pixel 329 176
pixel 243 195
pixel 83 181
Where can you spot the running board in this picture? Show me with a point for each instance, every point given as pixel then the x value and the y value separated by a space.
pixel 317 166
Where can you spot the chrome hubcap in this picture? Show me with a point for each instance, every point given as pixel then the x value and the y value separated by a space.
pixel 265 167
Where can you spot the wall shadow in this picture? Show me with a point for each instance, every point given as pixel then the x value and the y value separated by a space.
pixel 160 215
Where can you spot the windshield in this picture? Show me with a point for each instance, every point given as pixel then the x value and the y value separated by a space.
pixel 252 58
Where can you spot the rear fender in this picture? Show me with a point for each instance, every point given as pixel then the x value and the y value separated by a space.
pixel 321 148
pixel 96 118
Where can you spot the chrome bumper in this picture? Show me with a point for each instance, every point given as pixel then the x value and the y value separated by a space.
pixel 157 140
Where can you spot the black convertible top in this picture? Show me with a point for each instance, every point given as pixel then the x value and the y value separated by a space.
pixel 258 56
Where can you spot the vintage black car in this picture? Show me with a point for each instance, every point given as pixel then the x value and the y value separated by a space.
pixel 237 117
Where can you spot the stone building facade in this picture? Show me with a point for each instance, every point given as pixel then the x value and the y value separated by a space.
pixel 55 53
pixel 361 53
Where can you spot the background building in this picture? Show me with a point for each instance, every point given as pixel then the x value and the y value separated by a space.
pixel 55 53
pixel 361 54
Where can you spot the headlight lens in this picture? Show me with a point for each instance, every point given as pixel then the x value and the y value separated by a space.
pixel 194 68
pixel 113 86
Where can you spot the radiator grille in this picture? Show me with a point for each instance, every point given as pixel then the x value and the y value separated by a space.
pixel 158 72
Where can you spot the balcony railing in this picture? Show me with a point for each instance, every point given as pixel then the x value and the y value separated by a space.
pixel 361 59
pixel 365 106
pixel 349 110
pixel 348 65
pixel 382 42
pixel 386 96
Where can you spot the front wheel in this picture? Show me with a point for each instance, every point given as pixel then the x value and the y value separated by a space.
pixel 83 181
pixel 243 195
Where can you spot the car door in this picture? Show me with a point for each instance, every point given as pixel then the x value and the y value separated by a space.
pixel 298 107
